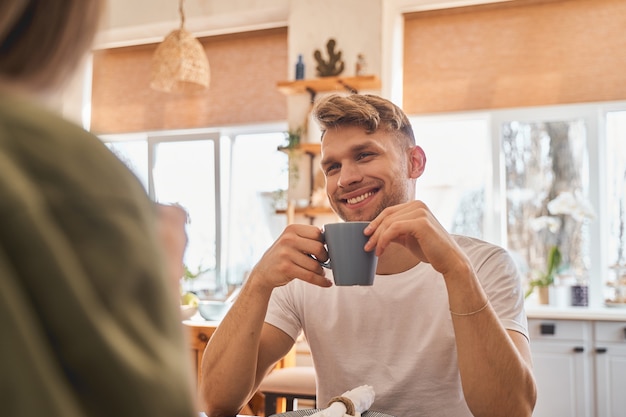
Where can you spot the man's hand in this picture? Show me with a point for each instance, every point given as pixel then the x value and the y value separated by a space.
pixel 290 257
pixel 171 220
pixel 413 226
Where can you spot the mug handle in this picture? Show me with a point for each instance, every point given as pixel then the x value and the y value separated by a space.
pixel 324 264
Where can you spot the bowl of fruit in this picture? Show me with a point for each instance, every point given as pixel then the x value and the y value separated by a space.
pixel 188 305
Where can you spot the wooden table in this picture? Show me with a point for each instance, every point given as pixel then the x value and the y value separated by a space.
pixel 199 332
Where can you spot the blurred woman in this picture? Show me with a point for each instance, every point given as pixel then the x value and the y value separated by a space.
pixel 89 320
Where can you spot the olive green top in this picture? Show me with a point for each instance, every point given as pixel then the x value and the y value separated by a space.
pixel 89 323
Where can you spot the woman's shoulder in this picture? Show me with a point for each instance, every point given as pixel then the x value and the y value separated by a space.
pixel 51 151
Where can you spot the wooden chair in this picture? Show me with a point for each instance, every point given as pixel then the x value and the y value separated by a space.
pixel 288 384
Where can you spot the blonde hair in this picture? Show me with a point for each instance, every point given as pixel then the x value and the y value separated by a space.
pixel 368 111
pixel 42 41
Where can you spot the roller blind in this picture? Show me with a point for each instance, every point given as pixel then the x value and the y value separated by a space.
pixel 515 54
pixel 245 68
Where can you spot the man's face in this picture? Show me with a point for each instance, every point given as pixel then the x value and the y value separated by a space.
pixel 365 173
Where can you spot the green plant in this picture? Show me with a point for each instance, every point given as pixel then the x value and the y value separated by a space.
pixel 293 138
pixel 552 266
pixel 568 210
pixel 188 275
pixel 279 199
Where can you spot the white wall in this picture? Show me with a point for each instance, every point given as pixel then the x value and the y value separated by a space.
pixel 143 21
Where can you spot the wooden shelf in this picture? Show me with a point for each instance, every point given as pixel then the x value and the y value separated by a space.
pixel 309 211
pixel 322 84
pixel 312 87
pixel 312 149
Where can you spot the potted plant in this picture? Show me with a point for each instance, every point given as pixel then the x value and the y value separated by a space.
pixel 567 213
pixel 546 279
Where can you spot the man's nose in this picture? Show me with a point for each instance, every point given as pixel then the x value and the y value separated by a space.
pixel 350 174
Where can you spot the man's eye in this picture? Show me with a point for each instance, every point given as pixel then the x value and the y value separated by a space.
pixel 364 155
pixel 331 168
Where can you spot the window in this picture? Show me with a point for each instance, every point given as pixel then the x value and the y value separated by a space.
pixel 258 179
pixel 507 164
pixel 227 183
pixel 458 196
pixel 543 161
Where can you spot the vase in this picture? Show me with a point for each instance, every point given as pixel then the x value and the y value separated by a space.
pixel 543 295
pixel 560 295
pixel 580 296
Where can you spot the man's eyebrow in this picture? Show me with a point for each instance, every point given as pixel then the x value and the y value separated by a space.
pixel 354 149
pixel 325 161
pixel 363 146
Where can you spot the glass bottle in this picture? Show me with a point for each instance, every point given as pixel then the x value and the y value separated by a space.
pixel 300 68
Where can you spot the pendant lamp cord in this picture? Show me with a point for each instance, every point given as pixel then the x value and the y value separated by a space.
pixel 182 14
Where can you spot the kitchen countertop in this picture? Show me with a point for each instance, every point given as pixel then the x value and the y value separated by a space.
pixel 534 311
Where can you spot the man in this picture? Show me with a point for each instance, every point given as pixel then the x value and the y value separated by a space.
pixel 442 332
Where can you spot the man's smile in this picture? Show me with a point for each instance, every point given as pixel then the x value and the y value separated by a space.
pixel 359 198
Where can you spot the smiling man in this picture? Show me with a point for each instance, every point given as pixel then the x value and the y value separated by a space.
pixel 442 332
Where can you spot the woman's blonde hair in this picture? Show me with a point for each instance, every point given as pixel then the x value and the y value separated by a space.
pixel 42 41
pixel 370 112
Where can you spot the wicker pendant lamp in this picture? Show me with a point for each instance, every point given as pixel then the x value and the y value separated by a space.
pixel 179 64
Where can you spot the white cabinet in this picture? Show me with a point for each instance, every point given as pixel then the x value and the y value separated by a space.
pixel 580 367
pixel 610 356
pixel 563 364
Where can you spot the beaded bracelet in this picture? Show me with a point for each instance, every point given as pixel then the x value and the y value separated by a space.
pixel 471 313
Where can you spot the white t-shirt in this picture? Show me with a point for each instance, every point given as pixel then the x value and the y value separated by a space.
pixel 396 335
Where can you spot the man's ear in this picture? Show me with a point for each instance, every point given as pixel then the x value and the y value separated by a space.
pixel 417 162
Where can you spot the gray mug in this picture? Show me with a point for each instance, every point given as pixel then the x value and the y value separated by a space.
pixel 350 263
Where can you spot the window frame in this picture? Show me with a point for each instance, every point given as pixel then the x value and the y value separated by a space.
pixel 218 136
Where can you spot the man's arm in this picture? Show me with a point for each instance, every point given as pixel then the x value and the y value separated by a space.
pixel 243 348
pixel 495 366
pixel 240 353
pixel 494 363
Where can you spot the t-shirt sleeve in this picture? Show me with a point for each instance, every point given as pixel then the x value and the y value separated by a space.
pixel 501 281
pixel 282 310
